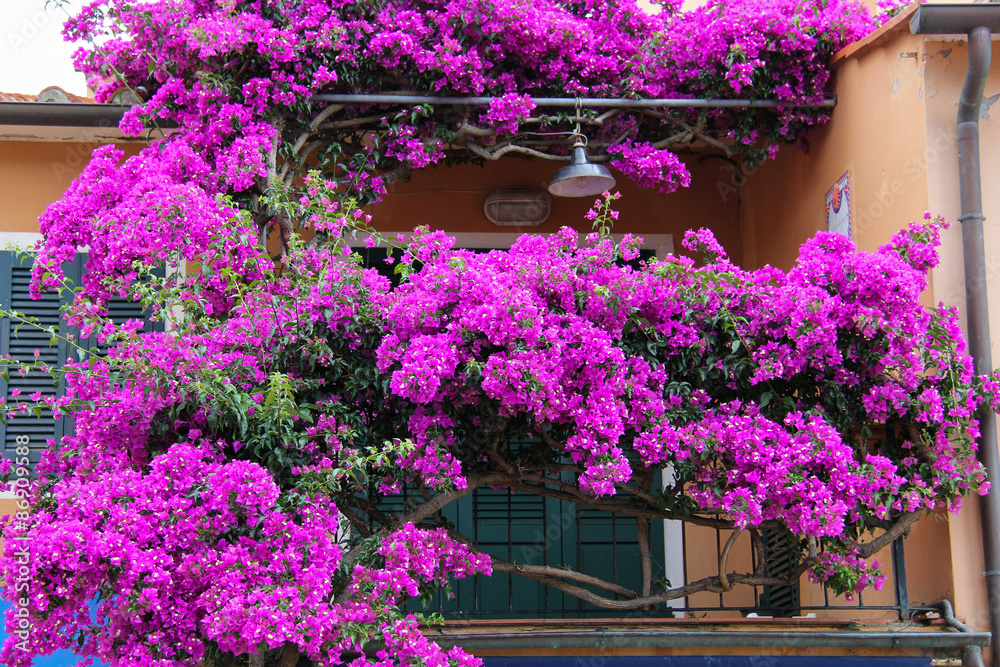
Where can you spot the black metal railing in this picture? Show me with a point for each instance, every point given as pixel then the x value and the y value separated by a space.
pixel 535 530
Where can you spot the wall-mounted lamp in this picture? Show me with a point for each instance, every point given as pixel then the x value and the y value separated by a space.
pixel 517 208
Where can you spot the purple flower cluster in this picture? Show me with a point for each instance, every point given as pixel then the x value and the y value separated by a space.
pixel 404 145
pixel 159 548
pixel 650 167
pixel 858 573
pixel 800 472
pixel 203 495
pixel 507 111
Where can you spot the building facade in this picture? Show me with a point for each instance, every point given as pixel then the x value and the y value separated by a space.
pixel 888 154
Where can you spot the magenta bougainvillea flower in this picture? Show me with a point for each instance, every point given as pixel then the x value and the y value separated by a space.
pixel 206 497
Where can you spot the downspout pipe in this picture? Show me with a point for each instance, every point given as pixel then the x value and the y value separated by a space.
pixel 972 656
pixel 978 22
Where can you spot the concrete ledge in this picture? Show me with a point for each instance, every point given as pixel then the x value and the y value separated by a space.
pixel 605 638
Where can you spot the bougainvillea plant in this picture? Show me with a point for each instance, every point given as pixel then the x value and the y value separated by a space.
pixel 220 499
pixel 241 79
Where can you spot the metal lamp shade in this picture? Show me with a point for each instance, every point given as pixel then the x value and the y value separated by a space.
pixel 580 178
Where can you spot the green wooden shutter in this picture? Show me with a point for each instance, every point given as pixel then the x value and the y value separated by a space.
pixel 516 527
pixel 534 530
pixel 782 559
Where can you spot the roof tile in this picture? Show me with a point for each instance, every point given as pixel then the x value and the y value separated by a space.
pixel 53 93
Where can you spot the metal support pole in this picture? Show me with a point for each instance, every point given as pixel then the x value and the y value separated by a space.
pixel 573 102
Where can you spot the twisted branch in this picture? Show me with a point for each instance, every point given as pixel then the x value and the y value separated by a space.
pixel 314 125
pixel 573 583
pixel 556 578
pixel 468 133
pixel 899 528
pixel 690 132
pixel 498 153
pixel 724 559
pixel 471 131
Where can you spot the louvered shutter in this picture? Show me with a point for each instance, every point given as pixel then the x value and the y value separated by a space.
pixel 516 528
pixel 533 530
pixel 782 559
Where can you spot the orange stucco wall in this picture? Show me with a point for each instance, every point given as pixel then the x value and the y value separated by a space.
pixel 876 133
pixel 33 174
pixel 452 199
pixel 701 557
pixel 893 130
pixel 880 135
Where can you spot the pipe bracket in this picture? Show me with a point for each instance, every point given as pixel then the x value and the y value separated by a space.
pixel 971 216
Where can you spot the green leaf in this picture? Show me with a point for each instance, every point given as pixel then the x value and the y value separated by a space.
pixel 765 398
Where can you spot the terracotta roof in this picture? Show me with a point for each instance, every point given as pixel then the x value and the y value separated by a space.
pixel 50 94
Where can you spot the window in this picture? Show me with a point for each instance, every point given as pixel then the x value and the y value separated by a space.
pixel 529 529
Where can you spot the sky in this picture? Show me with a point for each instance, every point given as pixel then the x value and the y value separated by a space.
pixel 33 55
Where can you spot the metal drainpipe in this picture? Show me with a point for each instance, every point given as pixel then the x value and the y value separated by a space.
pixel 973 249
pixel 972 656
pixel 976 21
